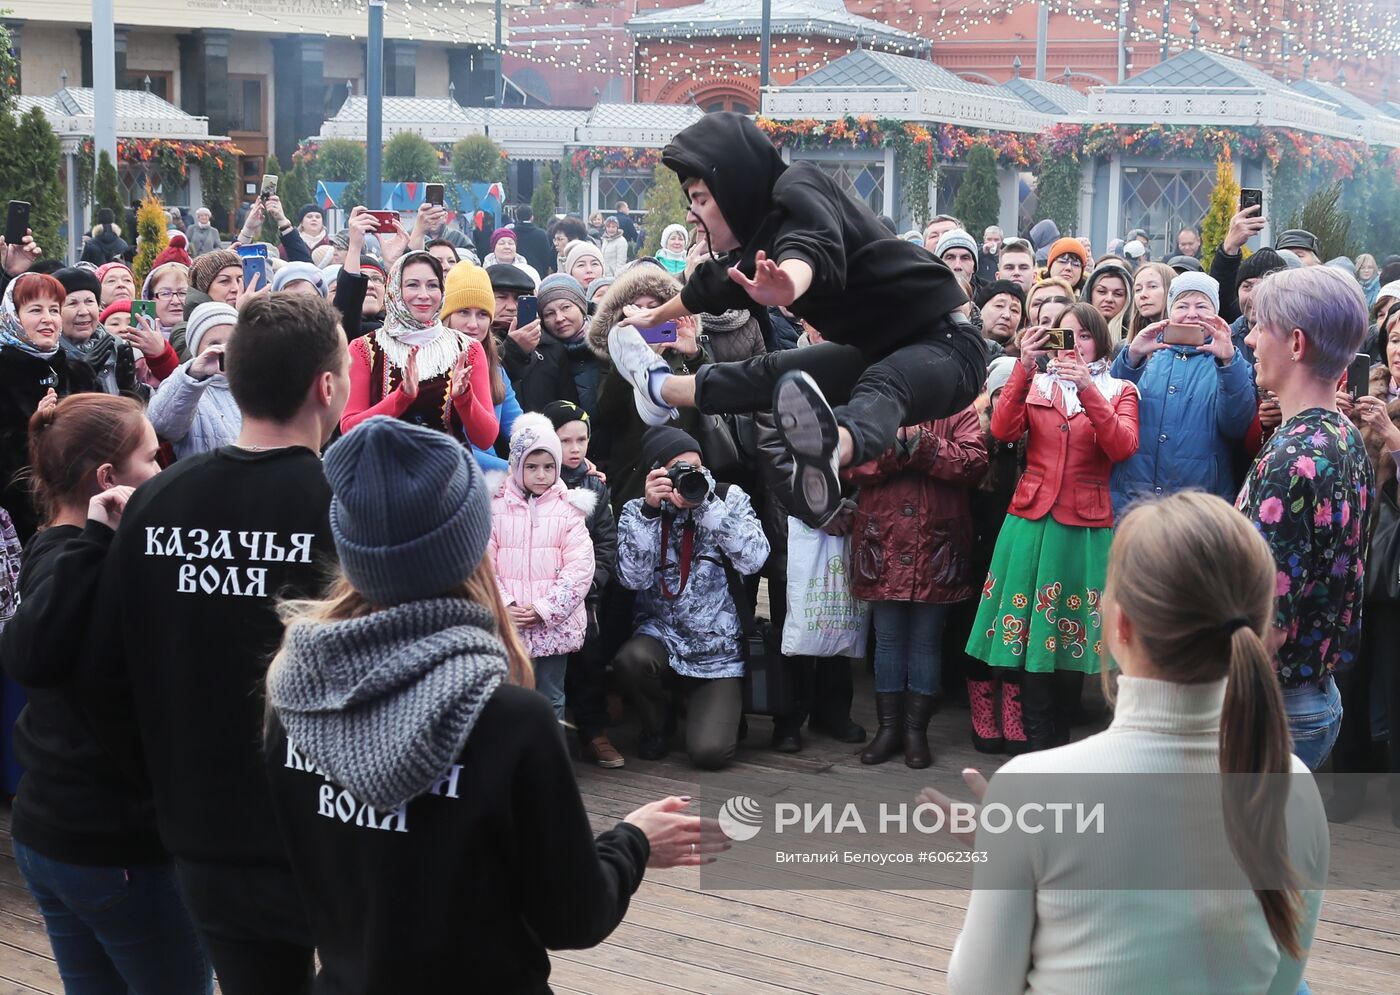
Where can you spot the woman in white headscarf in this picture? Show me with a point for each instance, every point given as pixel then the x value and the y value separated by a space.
pixel 416 368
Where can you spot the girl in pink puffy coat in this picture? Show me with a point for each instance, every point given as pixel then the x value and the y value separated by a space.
pixel 542 551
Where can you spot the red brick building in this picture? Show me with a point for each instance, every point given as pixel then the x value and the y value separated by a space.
pixel 573 54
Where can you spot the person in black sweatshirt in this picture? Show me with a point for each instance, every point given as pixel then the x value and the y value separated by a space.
pixel 424 792
pixel 84 827
pixel 186 608
pixel 898 351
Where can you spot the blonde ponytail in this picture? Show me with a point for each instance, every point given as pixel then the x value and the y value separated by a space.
pixel 1254 741
pixel 1197 581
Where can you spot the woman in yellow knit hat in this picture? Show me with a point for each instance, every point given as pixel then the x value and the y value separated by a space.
pixel 468 307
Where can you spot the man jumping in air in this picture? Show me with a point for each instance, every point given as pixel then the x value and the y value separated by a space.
pixel 897 350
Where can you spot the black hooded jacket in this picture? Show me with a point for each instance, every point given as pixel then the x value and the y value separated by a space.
pixel 864 279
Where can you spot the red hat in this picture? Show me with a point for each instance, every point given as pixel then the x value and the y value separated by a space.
pixel 173 253
pixel 116 307
pixel 501 233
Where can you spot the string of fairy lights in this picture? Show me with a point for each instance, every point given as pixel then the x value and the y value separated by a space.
pixel 1324 36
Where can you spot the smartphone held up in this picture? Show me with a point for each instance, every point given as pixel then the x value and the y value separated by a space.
pixel 16 222
pixel 254 260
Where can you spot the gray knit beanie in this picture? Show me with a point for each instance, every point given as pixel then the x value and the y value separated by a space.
pixel 956 238
pixel 1191 282
pixel 410 511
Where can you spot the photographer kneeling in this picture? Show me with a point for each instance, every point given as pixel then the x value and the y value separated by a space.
pixel 672 547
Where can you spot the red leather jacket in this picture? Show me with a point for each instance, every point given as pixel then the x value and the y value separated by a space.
pixel 912 536
pixel 1067 459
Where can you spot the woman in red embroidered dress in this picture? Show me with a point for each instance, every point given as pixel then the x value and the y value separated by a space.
pixel 417 369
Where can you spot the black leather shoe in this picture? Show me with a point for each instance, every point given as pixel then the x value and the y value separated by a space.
pixel 653 746
pixel 787 739
pixel 843 730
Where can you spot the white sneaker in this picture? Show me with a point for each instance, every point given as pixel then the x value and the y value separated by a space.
pixel 809 431
pixel 636 361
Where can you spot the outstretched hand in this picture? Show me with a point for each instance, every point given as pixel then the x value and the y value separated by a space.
pixel 976 783
pixel 678 840
pixel 771 284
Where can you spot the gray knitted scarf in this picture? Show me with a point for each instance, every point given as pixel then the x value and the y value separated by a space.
pixel 384 703
pixel 727 321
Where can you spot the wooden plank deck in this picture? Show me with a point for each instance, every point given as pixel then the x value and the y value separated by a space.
pixel 682 937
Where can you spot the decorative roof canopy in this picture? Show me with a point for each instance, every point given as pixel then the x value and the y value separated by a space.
pixel 1048 98
pixel 524 132
pixel 1200 87
pixel 897 86
pixel 820 18
pixel 140 114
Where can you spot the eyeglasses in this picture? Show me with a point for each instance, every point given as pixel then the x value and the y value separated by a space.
pixel 165 295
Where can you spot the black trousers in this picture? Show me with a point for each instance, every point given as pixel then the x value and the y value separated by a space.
pixel 1380 654
pixel 930 377
pixel 713 707
pixel 252 926
pixel 824 686
pixel 586 688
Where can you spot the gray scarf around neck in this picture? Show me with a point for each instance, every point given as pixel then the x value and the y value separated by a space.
pixel 384 703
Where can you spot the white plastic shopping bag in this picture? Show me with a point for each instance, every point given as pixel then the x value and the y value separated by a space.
pixel 823 619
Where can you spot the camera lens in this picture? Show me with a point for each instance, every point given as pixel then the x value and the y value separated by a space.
pixel 693 486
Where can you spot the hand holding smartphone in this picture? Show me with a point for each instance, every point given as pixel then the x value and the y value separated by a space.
pixel 1251 197
pixel 433 194
pixel 16 222
pixel 254 259
pixel 662 334
pixel 1359 375
pixel 386 222
pixel 1177 333
pixel 268 188
pixel 527 309
pixel 143 309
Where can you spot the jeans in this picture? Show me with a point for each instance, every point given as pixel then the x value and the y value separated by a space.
pixel 908 645
pixel 549 681
pixel 116 929
pixel 1314 718
pixel 930 377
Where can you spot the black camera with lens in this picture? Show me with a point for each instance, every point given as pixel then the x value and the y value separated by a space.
pixel 689 481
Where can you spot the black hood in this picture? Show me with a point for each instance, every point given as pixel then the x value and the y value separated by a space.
pixel 737 162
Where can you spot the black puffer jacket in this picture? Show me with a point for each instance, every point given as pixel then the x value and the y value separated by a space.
pixel 540 376
pixel 105 245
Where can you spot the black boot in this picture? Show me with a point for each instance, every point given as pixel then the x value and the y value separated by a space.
pixel 1038 710
pixel 889 709
pixel 918 709
pixel 1069 689
pixel 787 734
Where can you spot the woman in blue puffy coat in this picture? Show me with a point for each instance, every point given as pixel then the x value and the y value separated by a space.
pixel 1196 402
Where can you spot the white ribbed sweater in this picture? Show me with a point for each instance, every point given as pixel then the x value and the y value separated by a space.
pixel 1087 942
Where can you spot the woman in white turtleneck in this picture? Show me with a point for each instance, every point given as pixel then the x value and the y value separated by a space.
pixel 1190 591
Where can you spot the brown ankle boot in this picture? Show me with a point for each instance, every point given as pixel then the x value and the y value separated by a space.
pixel 889 739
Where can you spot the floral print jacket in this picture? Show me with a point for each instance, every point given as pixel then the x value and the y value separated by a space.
pixel 1309 493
